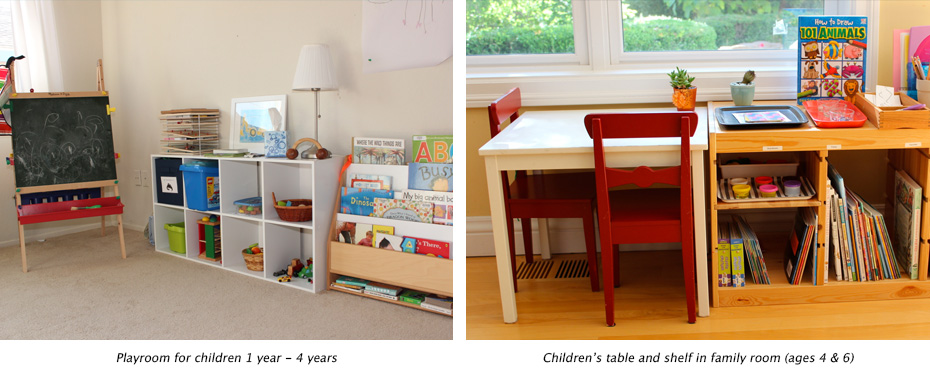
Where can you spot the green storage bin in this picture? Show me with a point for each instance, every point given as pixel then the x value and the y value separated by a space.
pixel 176 237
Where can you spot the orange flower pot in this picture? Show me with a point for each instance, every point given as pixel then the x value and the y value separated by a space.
pixel 685 99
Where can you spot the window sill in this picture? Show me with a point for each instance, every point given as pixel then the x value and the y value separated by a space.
pixel 633 84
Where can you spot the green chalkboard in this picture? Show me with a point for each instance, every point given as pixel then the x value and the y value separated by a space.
pixel 62 140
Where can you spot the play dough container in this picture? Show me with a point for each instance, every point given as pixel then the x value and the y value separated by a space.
pixel 739 181
pixel 763 180
pixel 741 191
pixel 792 188
pixel 768 191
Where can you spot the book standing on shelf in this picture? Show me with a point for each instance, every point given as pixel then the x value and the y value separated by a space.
pixel 412 297
pixel 800 242
pixel 358 201
pixel 752 252
pixel 442 203
pixel 400 209
pixel 370 181
pixel 432 149
pixel 378 151
pixel 831 57
pixel 724 271
pixel 907 200
pixel 738 274
pixel 429 176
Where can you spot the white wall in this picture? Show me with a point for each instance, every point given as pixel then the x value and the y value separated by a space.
pixel 80 39
pixel 161 55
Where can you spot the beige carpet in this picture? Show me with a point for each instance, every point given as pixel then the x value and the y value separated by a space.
pixel 78 287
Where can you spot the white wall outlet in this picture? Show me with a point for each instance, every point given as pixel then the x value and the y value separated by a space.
pixel 137 177
pixel 146 176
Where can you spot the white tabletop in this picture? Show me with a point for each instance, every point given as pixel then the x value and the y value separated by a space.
pixel 563 132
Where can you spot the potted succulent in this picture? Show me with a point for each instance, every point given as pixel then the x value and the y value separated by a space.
pixel 743 91
pixel 685 95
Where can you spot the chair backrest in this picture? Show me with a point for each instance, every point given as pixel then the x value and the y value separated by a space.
pixel 642 125
pixel 503 108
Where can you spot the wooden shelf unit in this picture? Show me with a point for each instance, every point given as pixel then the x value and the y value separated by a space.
pixel 282 241
pixel 907 149
pixel 411 271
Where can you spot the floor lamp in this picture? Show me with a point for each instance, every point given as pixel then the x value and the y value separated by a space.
pixel 314 73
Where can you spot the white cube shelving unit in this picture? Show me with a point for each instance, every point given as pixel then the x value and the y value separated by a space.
pixel 282 240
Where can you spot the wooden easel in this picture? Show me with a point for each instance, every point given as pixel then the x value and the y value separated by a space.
pixel 55 211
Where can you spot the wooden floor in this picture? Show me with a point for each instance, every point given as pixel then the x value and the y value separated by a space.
pixel 650 305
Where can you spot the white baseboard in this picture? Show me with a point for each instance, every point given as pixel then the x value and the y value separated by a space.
pixel 65 230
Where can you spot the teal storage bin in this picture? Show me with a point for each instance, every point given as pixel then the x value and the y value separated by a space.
pixel 202 184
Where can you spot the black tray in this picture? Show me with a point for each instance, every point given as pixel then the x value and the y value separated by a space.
pixel 794 114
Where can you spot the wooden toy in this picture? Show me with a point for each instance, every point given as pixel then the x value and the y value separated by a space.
pixel 208 235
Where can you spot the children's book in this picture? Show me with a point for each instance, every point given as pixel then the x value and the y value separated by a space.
pixel 400 209
pixel 383 288
pixel 429 176
pixel 831 56
pixel 723 254
pixel 364 234
pixel 409 245
pixel 435 248
pixel 442 203
pixel 412 296
pixel 379 232
pixel 358 201
pixel 350 288
pixel 378 151
pixel 389 242
pixel 370 181
pixel 799 244
pixel 737 260
pixel 435 303
pixel 907 194
pixel 432 149
pixel 351 281
pixel 380 295
pixel 345 232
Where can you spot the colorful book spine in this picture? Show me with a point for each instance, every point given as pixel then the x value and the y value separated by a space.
pixel 432 149
pixel 435 248
pixel 412 297
pixel 383 288
pixel 737 263
pixel 380 295
pixel 723 255
pixel 351 281
pixel 347 288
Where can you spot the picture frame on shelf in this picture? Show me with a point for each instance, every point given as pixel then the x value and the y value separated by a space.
pixel 252 117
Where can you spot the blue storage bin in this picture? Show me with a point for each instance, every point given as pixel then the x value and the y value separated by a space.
pixel 202 184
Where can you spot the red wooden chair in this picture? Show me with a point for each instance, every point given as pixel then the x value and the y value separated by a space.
pixel 563 195
pixel 644 215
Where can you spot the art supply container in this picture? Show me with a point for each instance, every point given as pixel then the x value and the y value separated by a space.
pixel 792 188
pixel 768 191
pixel 923 91
pixel 176 240
pixel 249 206
pixel 741 191
pixel 739 181
pixel 202 184
pixel 763 180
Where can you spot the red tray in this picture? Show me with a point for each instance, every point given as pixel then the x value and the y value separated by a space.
pixel 55 211
pixel 821 122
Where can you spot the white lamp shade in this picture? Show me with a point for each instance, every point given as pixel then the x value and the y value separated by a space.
pixel 314 69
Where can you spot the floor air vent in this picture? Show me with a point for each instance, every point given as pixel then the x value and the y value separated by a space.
pixel 542 269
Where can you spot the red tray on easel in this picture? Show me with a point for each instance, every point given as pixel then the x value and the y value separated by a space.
pixel 822 122
pixel 54 211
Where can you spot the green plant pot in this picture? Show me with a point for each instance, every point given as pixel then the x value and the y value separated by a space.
pixel 742 94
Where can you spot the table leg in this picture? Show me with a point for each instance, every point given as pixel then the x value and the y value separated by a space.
pixel 700 229
pixel 499 230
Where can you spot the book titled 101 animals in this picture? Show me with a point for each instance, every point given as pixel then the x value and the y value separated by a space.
pixel 831 57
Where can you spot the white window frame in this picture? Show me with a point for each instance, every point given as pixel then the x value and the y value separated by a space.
pixel 600 73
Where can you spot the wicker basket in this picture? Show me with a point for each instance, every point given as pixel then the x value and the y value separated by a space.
pixel 295 212
pixel 254 261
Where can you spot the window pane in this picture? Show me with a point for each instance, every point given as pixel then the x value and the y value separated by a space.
pixel 709 25
pixel 509 27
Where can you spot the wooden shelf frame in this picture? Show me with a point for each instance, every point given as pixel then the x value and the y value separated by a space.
pixel 907 149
